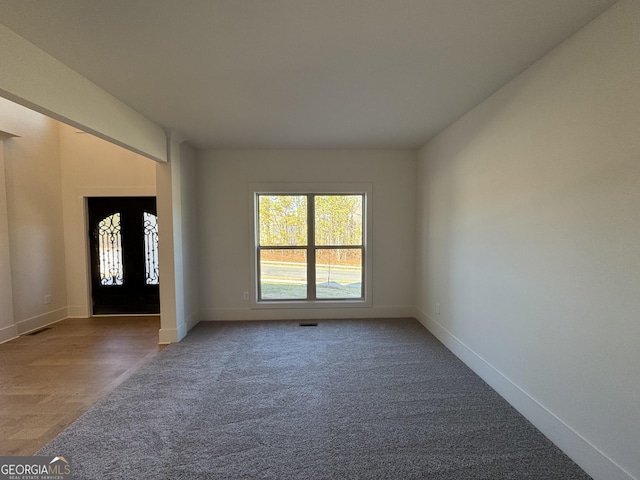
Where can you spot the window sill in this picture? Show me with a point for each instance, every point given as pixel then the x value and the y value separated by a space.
pixel 310 304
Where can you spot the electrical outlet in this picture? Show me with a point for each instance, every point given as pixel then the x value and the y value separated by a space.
pixel 438 308
pixel 47 299
pixel 246 295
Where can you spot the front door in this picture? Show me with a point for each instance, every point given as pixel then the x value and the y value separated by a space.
pixel 123 234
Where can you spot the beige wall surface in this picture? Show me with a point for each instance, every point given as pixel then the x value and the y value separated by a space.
pixel 34 217
pixel 50 169
pixel 35 79
pixel 92 167
pixel 8 328
pixel 225 219
pixel 528 242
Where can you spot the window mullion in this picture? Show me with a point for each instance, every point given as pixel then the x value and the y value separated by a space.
pixel 311 256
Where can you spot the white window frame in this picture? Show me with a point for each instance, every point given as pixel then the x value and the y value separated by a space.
pixel 364 189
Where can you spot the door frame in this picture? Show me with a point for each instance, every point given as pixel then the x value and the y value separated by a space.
pixel 82 205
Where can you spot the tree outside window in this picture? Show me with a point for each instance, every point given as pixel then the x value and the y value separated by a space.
pixel 310 246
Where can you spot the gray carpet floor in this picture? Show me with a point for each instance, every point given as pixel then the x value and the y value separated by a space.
pixel 347 399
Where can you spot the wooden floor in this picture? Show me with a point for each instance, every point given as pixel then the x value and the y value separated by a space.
pixel 49 379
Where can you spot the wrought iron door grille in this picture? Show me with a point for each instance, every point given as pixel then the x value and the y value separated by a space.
pixel 151 249
pixel 110 251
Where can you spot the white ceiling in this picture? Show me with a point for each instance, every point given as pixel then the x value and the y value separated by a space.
pixel 300 73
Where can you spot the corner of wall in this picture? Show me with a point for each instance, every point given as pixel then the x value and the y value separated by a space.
pixel 8 333
pixel 585 454
pixel 40 321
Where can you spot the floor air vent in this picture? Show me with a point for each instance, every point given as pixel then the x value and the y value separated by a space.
pixel 308 324
pixel 36 332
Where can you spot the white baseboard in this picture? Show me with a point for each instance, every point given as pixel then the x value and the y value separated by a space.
pixel 193 320
pixel 173 335
pixel 76 311
pixel 8 333
pixel 168 335
pixel 587 456
pixel 242 314
pixel 39 321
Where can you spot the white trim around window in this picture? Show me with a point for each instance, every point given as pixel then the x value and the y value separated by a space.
pixel 364 189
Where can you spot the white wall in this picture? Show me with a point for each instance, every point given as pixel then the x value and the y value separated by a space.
pixel 92 167
pixel 189 217
pixel 225 218
pixel 529 240
pixel 35 79
pixel 179 263
pixel 34 218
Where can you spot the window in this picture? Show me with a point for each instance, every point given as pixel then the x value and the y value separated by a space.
pixel 151 259
pixel 110 250
pixel 310 247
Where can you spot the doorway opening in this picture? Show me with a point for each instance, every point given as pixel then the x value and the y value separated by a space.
pixel 123 239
